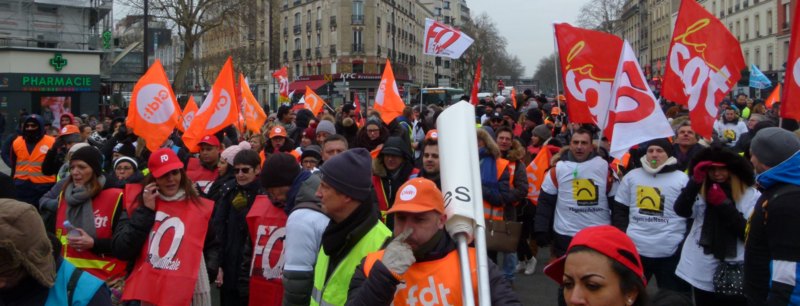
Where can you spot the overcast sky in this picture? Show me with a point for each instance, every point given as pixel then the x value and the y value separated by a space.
pixel 527 25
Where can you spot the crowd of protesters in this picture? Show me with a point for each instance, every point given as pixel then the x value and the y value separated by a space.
pixel 343 208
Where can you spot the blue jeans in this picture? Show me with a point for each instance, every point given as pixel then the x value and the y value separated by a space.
pixel 509 265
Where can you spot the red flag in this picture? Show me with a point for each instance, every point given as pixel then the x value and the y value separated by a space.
pixel 442 40
pixel 703 65
pixel 283 81
pixel 154 112
pixel 188 114
pixel 254 116
pixel 359 117
pixel 387 99
pixel 476 85
pixel 313 102
pixel 588 66
pixel 775 96
pixel 218 111
pixel 790 107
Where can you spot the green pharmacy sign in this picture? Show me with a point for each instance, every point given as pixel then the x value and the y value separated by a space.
pixel 58 62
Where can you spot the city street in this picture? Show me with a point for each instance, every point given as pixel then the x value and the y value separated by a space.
pixel 537 289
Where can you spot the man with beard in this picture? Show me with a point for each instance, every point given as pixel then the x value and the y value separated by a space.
pixel 27 155
pixel 729 128
pixel 685 146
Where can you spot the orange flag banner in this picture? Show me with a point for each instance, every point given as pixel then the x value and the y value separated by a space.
pixel 188 114
pixel 153 112
pixel 514 97
pixel 536 171
pixel 313 102
pixel 218 111
pixel 254 116
pixel 387 99
pixel 775 96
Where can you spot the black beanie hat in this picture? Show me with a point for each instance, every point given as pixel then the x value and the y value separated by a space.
pixel 663 143
pixel 91 157
pixel 280 169
pixel 350 173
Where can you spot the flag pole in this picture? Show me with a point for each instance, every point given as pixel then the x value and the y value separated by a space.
pixel 555 66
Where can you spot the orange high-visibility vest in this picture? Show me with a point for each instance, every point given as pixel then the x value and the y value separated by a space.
pixel 489 211
pixel 29 165
pixel 104 206
pixel 430 282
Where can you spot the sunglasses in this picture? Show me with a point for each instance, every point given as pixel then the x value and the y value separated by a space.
pixel 245 170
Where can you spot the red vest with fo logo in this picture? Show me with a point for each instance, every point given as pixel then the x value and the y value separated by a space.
pixel 267 225
pixel 431 282
pixel 166 272
pixel 104 206
pixel 200 175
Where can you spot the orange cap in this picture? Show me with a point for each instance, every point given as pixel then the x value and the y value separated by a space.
pixel 69 129
pixel 432 134
pixel 418 195
pixel 562 98
pixel 555 111
pixel 277 131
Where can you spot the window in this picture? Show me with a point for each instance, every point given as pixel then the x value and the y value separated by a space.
pixel 746 29
pixel 787 15
pixel 297 44
pixel 757 59
pixel 297 19
pixel 769 58
pixel 746 57
pixel 358 67
pixel 769 22
pixel 319 40
pixel 358 7
pixel 446 64
pixel 757 24
pixel 446 5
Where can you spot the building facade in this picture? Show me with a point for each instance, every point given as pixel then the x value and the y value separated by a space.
pixel 347 42
pixel 51 54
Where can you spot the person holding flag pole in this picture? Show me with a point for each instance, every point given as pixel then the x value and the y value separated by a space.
pixel 421 251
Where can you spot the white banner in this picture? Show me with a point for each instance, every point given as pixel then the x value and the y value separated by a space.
pixel 637 116
pixel 442 40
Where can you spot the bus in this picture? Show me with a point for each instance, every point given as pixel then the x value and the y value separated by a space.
pixel 438 95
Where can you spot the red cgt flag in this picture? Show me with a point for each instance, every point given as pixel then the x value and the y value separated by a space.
pixel 703 65
pixel 790 107
pixel 476 85
pixel 154 112
pixel 588 66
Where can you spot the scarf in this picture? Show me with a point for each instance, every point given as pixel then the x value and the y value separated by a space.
pixel 79 206
pixel 176 197
pixel 665 167
pixel 715 238
pixel 337 235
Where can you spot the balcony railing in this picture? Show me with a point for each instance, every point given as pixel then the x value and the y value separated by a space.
pixel 333 21
pixel 297 28
pixel 308 26
pixel 296 55
pixel 357 19
pixel 308 53
pixel 285 31
pixel 333 51
pixel 319 24
pixel 317 53
pixel 358 48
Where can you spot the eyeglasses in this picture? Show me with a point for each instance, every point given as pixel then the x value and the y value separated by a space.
pixel 245 170
pixel 373 130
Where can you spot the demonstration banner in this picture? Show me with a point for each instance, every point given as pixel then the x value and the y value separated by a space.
pixel 476 85
pixel 387 99
pixel 153 112
pixel 790 107
pixel 218 111
pixel 442 40
pixel 188 114
pixel 252 113
pixel 703 65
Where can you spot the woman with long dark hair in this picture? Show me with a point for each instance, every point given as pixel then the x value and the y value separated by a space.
pixel 719 197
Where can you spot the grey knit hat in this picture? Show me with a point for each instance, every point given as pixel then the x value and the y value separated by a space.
pixel 543 132
pixel 326 126
pixel 774 145
pixel 350 173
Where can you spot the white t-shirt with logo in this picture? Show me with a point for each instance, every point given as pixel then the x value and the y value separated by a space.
pixel 695 266
pixel 581 193
pixel 730 131
pixel 653 225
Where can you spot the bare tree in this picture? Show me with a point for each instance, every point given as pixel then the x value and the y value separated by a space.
pixel 546 73
pixel 490 48
pixel 192 19
pixel 600 14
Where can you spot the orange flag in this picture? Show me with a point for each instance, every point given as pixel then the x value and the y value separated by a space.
pixel 312 101
pixel 536 171
pixel 154 112
pixel 514 97
pixel 188 114
pixel 775 96
pixel 218 111
pixel 254 116
pixel 387 99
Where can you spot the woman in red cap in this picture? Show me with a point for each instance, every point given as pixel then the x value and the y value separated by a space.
pixel 165 237
pixel 601 267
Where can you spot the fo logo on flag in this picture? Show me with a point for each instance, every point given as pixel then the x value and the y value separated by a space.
pixel 155 104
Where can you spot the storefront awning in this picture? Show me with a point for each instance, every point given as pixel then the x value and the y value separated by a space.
pixel 300 86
